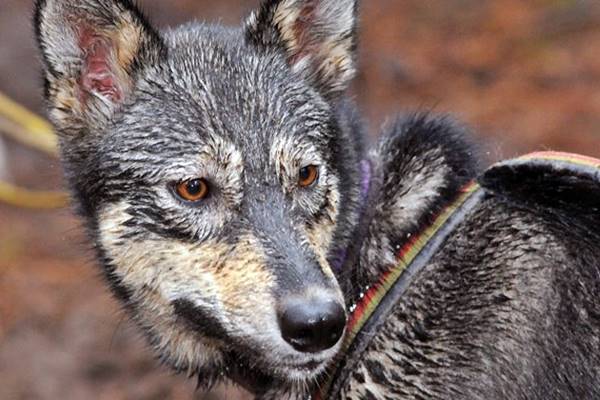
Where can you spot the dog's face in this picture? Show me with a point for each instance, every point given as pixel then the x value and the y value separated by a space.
pixel 209 165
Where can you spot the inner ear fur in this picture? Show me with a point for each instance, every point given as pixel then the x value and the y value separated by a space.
pixel 318 38
pixel 91 50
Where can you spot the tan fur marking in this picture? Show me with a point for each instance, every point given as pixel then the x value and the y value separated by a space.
pixel 66 106
pixel 321 234
pixel 230 280
pixel 285 18
pixel 127 43
pixel 244 272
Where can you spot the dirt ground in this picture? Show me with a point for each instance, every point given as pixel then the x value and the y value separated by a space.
pixel 524 74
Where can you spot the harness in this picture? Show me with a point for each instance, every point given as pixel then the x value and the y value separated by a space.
pixel 370 312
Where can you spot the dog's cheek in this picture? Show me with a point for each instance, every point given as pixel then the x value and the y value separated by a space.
pixel 157 272
pixel 146 262
pixel 231 280
pixel 172 340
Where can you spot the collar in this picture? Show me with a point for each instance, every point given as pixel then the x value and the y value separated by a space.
pixel 370 312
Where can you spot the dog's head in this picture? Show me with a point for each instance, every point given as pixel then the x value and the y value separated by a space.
pixel 214 173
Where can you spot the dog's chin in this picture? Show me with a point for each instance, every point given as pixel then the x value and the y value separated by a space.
pixel 302 372
pixel 261 374
pixel 303 367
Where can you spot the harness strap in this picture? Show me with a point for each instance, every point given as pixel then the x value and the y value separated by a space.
pixel 369 313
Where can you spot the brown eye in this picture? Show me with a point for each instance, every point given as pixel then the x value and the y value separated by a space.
pixel 193 190
pixel 308 175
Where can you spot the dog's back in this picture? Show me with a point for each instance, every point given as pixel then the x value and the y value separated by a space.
pixel 507 308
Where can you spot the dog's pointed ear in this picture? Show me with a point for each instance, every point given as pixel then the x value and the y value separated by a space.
pixel 92 51
pixel 317 36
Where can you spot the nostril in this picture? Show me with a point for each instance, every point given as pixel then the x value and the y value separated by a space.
pixel 312 326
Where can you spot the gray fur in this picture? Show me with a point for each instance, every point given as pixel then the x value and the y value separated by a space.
pixel 506 309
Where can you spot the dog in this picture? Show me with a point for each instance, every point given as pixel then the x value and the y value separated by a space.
pixel 238 216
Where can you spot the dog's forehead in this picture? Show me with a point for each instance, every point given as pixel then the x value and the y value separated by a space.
pixel 213 88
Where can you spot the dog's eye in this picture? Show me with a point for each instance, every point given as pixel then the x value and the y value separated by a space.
pixel 192 190
pixel 308 175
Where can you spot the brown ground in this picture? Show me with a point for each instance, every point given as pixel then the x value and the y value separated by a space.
pixel 525 74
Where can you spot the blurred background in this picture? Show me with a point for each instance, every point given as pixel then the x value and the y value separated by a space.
pixel 524 74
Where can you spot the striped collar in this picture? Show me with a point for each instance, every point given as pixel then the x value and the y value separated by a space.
pixel 369 312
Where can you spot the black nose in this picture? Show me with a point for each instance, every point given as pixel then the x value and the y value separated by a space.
pixel 311 326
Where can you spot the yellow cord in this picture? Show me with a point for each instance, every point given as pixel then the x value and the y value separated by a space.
pixel 24 198
pixel 26 127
